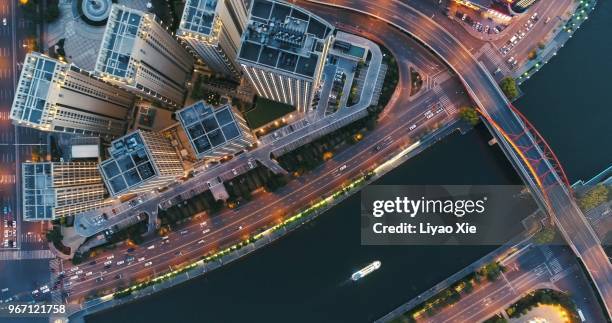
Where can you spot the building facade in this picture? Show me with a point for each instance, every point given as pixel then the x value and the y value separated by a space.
pixel 215 133
pixel 140 161
pixel 520 6
pixel 139 54
pixel 57 189
pixel 283 51
pixel 56 96
pixel 213 28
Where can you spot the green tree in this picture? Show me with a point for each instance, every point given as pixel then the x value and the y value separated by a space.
pixel 469 287
pixel 508 85
pixel 594 197
pixel 492 271
pixel 470 115
pixel 544 236
pixel 533 54
pixel 54 235
pixel 52 13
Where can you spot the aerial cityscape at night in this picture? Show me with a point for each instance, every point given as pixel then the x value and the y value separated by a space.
pixel 305 161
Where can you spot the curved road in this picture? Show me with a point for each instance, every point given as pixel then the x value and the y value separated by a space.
pixel 267 208
pixel 493 104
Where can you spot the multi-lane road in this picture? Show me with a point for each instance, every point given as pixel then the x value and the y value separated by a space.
pixel 16 143
pixel 392 134
pixel 530 268
pixel 541 177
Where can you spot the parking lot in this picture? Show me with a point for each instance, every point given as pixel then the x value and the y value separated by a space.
pixel 518 36
pixel 485 26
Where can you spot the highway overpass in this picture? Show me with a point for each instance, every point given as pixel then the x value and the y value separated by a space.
pixel 525 149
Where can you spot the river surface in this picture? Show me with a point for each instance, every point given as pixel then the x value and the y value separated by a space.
pixel 304 277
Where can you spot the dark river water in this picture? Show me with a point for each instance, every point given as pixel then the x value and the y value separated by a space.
pixel 305 276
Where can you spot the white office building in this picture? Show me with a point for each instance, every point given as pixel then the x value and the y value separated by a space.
pixel 140 161
pixel 283 51
pixel 213 28
pixel 141 55
pixel 57 189
pixel 56 96
pixel 215 132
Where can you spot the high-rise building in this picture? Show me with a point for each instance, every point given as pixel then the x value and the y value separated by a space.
pixel 215 133
pixel 140 161
pixel 520 6
pixel 283 51
pixel 213 28
pixel 56 96
pixel 138 53
pixel 56 189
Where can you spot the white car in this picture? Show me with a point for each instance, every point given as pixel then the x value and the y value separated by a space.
pixel 148 264
pixel 206 231
pixel 4 23
pixel 412 127
pixel 110 257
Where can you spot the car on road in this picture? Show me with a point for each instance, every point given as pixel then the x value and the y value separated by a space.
pixel 141 259
pixel 4 22
pixel 201 241
pixel 147 264
pixel 151 247
pixel 251 163
pixel 99 279
pixel 412 127
pixel 343 167
pixel 206 231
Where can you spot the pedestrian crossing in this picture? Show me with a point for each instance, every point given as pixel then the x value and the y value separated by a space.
pixel 555 266
pixel 445 101
pixel 26 254
pixel 448 105
pixel 493 55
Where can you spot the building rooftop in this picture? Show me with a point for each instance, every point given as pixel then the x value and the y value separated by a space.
pixel 208 128
pixel 283 36
pixel 129 165
pixel 38 192
pixel 118 42
pixel 34 87
pixel 199 16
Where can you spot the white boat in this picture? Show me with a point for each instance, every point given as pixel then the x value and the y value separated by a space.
pixel 365 270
